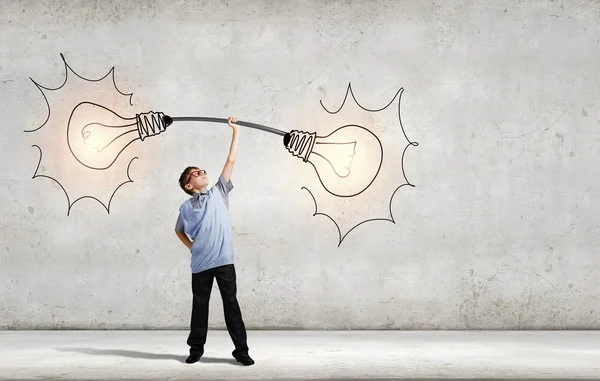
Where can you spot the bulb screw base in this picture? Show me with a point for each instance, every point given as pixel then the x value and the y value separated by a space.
pixel 300 143
pixel 151 123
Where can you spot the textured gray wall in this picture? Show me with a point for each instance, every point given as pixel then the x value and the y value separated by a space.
pixel 500 231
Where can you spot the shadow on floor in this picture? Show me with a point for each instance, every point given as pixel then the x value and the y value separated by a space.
pixel 145 355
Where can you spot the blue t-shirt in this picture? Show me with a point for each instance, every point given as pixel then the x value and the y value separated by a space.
pixel 205 219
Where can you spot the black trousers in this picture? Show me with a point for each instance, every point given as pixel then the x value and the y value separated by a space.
pixel 202 283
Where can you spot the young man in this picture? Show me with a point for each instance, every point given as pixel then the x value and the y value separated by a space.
pixel 204 227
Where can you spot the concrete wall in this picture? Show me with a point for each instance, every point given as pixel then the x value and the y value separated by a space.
pixel 500 230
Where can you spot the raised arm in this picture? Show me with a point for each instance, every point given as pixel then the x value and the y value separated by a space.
pixel 228 168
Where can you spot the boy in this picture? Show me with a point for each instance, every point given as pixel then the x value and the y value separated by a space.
pixel 205 219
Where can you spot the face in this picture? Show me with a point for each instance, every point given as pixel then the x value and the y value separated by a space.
pixel 197 179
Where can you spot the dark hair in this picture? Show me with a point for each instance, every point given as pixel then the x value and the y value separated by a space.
pixel 183 179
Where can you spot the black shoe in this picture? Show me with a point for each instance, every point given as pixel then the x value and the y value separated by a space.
pixel 245 359
pixel 193 357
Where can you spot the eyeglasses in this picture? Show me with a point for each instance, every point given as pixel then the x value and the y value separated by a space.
pixel 196 173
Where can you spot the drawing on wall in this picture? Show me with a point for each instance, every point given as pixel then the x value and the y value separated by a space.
pixel 99 128
pixel 375 156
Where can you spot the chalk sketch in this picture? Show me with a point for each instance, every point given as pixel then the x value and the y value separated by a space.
pixel 409 144
pixel 97 136
pixel 69 133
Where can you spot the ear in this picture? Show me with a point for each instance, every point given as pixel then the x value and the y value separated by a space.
pixel 188 186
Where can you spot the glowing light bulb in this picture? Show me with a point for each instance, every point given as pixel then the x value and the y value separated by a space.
pixel 347 161
pixel 97 135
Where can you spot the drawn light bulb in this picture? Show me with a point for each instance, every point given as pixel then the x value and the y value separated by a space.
pixel 347 161
pixel 97 135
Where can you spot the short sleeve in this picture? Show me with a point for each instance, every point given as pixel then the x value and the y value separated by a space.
pixel 179 225
pixel 224 187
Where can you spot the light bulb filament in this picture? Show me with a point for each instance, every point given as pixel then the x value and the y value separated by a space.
pixel 342 153
pixel 92 134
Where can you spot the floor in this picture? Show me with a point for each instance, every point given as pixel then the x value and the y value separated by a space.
pixel 303 355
